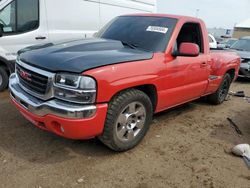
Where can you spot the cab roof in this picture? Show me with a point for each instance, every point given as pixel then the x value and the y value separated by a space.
pixel 178 17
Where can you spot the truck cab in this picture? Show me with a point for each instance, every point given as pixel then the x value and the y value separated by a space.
pixel 26 23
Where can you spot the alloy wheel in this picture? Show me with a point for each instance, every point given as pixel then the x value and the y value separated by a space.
pixel 130 121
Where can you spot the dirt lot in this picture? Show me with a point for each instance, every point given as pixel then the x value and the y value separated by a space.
pixel 186 147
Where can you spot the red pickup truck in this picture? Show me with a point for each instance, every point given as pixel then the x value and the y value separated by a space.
pixel 110 86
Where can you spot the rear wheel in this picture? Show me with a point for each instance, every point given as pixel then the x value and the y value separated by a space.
pixel 128 120
pixel 4 79
pixel 220 95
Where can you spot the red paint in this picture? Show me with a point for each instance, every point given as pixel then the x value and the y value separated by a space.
pixel 73 129
pixel 176 79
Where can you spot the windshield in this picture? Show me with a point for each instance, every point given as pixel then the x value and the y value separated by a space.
pixel 148 33
pixel 230 42
pixel 242 45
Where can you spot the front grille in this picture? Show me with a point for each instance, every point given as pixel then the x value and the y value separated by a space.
pixel 33 81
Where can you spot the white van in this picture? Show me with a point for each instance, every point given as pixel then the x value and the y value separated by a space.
pixel 30 22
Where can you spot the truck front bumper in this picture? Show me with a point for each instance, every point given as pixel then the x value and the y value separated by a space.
pixel 62 118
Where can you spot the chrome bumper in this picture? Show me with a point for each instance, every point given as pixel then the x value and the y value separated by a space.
pixel 53 106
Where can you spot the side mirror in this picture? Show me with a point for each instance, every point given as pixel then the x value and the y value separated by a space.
pixel 188 49
pixel 1 30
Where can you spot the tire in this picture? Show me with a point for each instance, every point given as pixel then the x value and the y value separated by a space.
pixel 220 95
pixel 4 79
pixel 128 120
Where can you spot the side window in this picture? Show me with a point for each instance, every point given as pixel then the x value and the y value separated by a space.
pixel 8 18
pixel 191 32
pixel 20 16
pixel 27 15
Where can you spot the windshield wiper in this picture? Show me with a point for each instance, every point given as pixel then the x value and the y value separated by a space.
pixel 133 46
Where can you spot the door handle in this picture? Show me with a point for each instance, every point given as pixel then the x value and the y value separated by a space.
pixel 204 64
pixel 40 38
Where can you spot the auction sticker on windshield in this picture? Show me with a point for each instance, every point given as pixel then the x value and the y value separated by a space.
pixel 157 29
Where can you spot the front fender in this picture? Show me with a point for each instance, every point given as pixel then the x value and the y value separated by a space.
pixel 123 84
pixel 114 78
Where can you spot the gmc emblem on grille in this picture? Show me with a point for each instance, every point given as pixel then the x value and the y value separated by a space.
pixel 25 75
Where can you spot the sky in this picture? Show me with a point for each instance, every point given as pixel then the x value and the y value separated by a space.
pixel 216 13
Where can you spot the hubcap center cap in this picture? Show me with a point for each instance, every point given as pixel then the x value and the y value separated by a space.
pixel 131 121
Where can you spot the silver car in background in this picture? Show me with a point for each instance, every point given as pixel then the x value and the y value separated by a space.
pixel 226 44
pixel 242 46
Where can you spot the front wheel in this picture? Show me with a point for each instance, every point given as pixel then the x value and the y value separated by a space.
pixel 220 95
pixel 128 120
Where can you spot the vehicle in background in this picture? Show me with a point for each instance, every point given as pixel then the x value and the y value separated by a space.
pixel 219 39
pixel 32 22
pixel 242 47
pixel 212 42
pixel 110 86
pixel 227 43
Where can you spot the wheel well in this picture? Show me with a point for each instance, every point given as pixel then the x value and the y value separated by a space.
pixel 151 92
pixel 231 72
pixel 3 64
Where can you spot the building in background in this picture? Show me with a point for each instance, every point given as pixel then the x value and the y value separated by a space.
pixel 221 32
pixel 242 29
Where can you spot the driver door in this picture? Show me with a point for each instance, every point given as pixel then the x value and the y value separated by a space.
pixel 23 25
pixel 186 77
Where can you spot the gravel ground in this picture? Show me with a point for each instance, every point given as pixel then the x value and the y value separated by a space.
pixel 189 146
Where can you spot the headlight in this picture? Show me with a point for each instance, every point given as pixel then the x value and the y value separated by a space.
pixel 75 88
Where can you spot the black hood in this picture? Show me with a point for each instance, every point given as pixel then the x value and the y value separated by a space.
pixel 82 55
